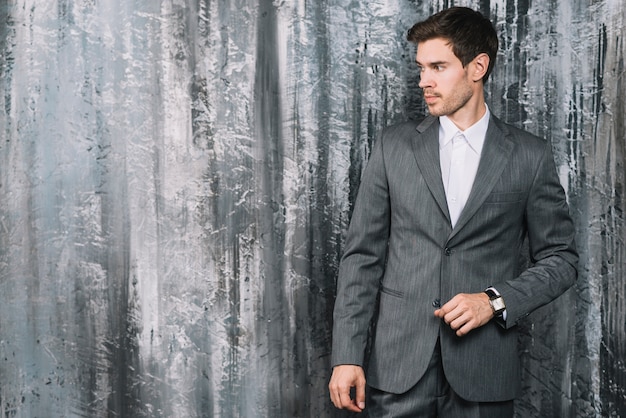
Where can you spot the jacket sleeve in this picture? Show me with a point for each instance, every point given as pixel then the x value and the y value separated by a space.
pixel 363 263
pixel 552 248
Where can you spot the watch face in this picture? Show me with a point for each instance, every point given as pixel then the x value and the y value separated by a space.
pixel 498 304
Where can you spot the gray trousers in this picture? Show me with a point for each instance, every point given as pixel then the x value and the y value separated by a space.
pixel 432 397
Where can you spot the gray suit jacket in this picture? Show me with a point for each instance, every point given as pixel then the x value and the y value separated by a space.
pixel 401 250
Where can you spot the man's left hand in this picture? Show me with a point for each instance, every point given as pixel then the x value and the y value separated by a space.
pixel 465 312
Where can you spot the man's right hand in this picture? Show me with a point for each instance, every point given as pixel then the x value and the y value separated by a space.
pixel 344 378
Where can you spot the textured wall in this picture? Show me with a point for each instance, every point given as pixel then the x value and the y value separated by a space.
pixel 176 177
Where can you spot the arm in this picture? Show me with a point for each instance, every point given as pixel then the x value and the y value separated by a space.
pixel 362 264
pixel 360 272
pixel 551 245
pixel 552 250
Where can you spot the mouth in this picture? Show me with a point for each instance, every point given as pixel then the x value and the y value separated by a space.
pixel 430 98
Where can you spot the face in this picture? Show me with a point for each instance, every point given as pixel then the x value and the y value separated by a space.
pixel 446 84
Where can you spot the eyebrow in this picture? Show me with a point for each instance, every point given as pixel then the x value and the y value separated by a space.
pixel 431 64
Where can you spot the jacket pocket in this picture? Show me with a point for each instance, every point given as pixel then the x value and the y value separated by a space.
pixel 392 292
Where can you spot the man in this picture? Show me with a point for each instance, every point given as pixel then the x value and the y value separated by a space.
pixel 442 212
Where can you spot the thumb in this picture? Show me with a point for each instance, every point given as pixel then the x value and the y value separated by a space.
pixel 360 395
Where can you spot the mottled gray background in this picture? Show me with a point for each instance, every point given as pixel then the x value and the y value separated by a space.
pixel 176 178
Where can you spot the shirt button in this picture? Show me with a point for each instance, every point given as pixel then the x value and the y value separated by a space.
pixel 447 251
pixel 436 303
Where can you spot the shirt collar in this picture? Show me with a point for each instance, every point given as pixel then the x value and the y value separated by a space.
pixel 475 134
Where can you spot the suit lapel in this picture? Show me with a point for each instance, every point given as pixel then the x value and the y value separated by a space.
pixel 426 151
pixel 496 153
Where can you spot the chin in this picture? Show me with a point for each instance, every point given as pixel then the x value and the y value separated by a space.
pixel 435 112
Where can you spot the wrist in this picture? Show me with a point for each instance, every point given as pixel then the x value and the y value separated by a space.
pixel 495 301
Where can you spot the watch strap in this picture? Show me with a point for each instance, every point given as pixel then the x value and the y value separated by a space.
pixel 495 301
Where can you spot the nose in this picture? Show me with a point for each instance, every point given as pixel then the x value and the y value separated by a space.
pixel 425 80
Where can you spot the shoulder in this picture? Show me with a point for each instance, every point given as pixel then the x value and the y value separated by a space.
pixel 401 128
pixel 409 128
pixel 515 133
pixel 520 137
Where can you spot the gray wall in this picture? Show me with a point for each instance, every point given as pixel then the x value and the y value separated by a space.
pixel 176 178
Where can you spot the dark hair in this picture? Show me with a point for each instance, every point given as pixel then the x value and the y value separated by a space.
pixel 469 32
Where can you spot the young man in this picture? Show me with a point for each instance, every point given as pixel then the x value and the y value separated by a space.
pixel 442 212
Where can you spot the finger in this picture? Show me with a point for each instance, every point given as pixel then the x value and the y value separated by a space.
pixel 360 395
pixel 347 403
pixel 448 307
pixel 456 324
pixel 466 319
pixel 340 395
pixel 455 316
pixel 466 328
pixel 444 311
pixel 335 399
pixel 342 400
pixel 335 394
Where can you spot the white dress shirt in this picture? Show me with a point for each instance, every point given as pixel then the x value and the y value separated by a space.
pixel 459 153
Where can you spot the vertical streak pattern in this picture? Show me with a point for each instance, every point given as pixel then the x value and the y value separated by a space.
pixel 176 178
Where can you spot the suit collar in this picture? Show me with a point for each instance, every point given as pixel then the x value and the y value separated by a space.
pixel 426 152
pixel 495 155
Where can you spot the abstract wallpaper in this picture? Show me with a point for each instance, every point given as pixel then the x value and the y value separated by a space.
pixel 177 176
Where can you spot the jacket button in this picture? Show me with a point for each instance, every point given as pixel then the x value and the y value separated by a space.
pixel 447 251
pixel 436 303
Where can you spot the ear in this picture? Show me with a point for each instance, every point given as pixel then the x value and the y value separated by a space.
pixel 480 66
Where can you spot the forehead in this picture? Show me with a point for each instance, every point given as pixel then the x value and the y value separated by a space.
pixel 435 50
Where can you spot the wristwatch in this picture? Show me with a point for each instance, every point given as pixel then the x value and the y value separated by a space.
pixel 496 301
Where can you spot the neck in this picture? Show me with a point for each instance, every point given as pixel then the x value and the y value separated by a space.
pixel 470 113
